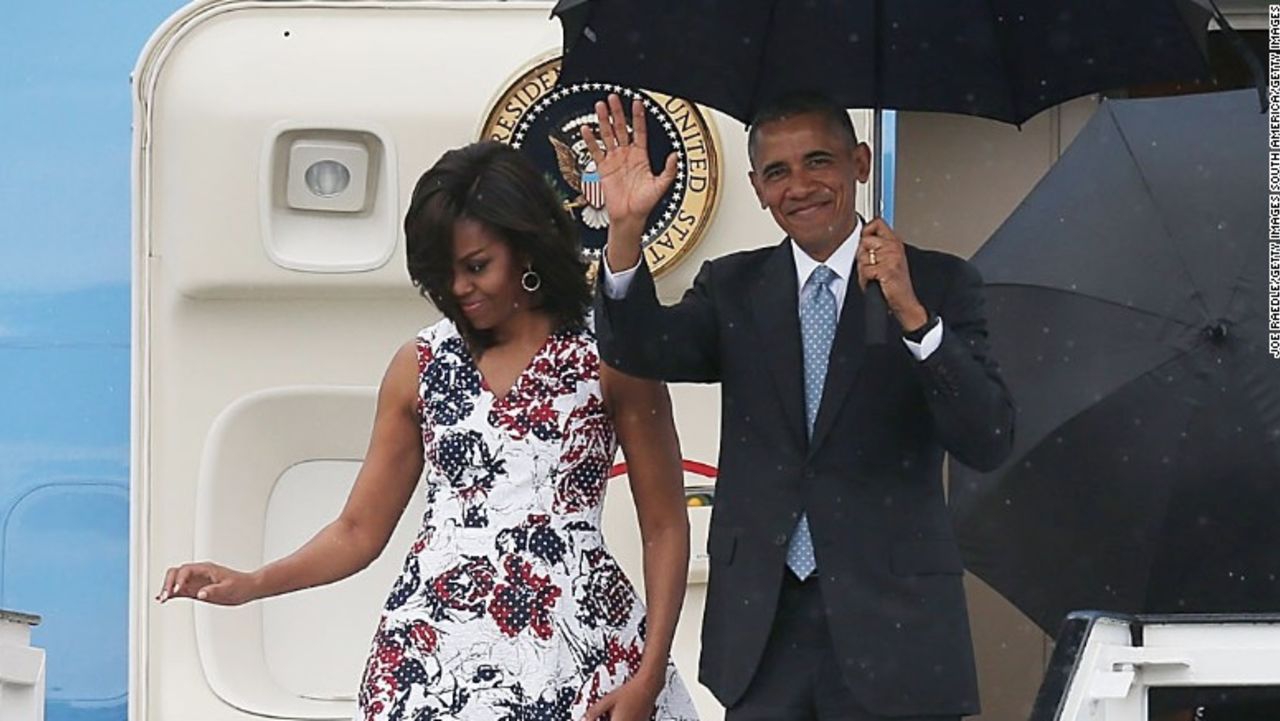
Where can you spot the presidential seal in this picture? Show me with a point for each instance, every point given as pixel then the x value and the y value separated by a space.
pixel 544 120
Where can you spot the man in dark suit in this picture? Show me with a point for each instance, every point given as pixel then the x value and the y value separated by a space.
pixel 835 588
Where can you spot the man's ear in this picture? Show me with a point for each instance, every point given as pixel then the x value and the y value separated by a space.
pixel 755 185
pixel 862 162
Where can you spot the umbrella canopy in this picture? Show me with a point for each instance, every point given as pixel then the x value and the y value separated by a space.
pixel 1126 300
pixel 1000 59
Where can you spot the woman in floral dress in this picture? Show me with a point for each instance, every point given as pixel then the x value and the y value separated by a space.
pixel 509 605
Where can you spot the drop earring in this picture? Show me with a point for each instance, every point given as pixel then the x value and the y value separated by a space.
pixel 530 281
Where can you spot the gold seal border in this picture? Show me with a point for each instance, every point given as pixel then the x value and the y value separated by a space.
pixel 706 129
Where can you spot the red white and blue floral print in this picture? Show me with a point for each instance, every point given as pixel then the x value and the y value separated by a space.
pixel 509 606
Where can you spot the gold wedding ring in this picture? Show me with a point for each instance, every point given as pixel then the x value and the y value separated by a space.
pixel 871 254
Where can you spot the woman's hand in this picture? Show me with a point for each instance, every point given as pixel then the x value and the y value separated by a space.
pixel 632 701
pixel 208 582
pixel 630 188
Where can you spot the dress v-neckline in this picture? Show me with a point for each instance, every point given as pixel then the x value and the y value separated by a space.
pixel 515 383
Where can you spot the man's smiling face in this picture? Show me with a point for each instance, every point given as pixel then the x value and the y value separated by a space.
pixel 805 170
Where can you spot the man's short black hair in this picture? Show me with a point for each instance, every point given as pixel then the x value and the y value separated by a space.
pixel 800 103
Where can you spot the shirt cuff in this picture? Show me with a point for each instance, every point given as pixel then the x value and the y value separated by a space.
pixel 617 284
pixel 921 350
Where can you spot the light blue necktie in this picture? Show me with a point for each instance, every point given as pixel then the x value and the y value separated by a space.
pixel 817 331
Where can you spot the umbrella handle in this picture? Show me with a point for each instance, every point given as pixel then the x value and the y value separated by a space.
pixel 877 311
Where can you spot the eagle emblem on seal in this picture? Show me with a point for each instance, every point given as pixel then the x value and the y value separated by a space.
pixel 579 172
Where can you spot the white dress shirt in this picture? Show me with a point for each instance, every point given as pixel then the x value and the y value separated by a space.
pixel 841 263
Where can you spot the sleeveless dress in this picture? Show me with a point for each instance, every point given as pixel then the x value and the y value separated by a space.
pixel 509 607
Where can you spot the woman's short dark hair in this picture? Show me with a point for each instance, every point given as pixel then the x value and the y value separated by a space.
pixel 496 185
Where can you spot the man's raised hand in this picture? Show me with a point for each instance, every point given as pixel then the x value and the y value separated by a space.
pixel 630 187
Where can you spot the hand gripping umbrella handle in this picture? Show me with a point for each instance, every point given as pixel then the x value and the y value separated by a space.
pixel 877 314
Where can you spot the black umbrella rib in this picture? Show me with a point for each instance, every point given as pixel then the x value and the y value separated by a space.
pixel 1168 232
pixel 1004 61
pixel 1077 294
pixel 1034 441
pixel 753 100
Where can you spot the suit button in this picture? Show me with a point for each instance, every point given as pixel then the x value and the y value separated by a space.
pixel 810 473
pixel 780 539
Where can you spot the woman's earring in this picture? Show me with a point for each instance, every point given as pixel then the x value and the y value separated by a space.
pixel 530 281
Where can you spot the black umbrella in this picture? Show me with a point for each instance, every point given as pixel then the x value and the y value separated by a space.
pixel 1000 59
pixel 1127 303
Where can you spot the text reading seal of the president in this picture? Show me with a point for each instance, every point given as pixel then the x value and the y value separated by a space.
pixel 545 121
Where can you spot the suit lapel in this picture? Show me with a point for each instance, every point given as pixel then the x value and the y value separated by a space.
pixel 846 358
pixel 775 307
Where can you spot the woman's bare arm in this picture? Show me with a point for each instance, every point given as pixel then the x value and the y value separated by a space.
pixel 357 536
